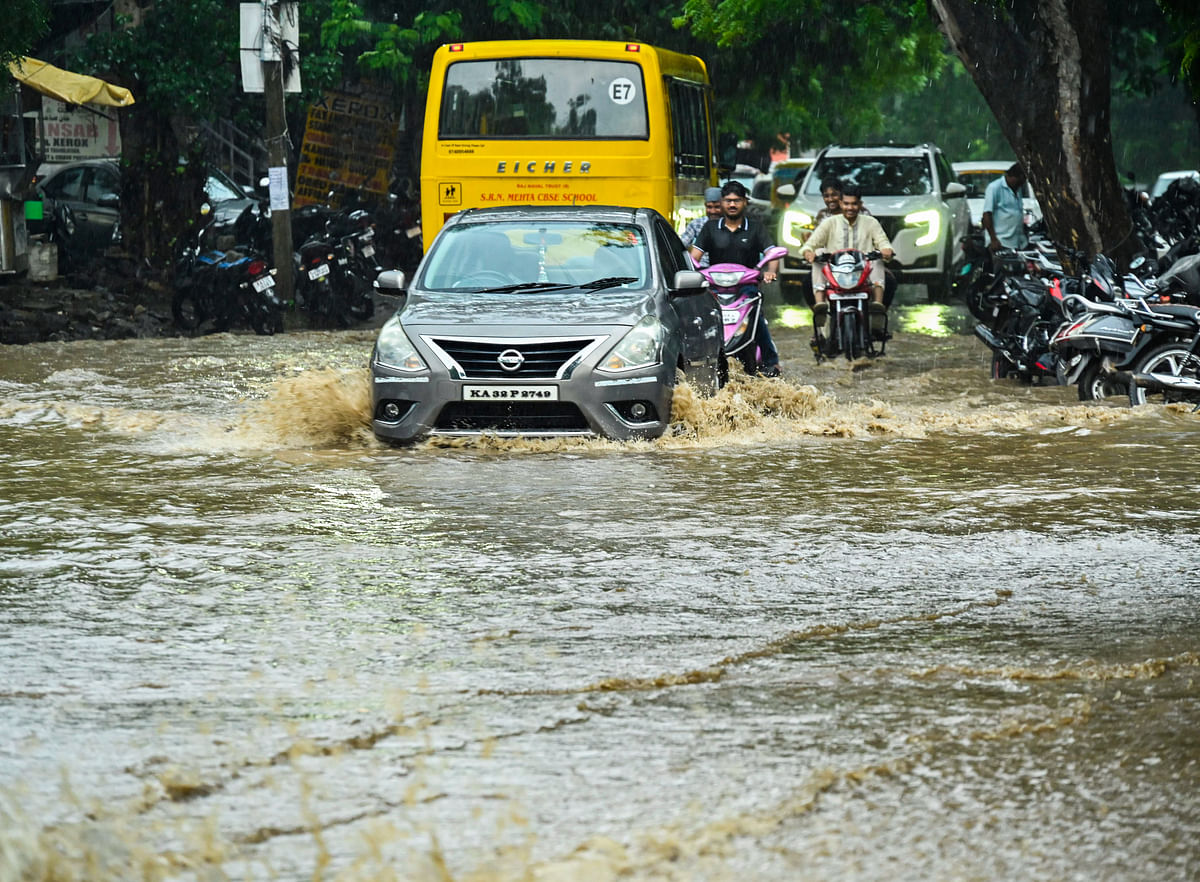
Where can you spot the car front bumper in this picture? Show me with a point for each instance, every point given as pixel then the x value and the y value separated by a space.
pixel 623 407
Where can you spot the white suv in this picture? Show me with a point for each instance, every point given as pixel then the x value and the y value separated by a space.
pixel 910 189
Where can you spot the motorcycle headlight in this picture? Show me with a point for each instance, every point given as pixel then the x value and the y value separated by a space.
pixel 928 218
pixel 725 280
pixel 845 278
pixel 796 227
pixel 394 349
pixel 641 347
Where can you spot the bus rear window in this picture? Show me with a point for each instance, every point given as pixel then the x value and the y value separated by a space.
pixel 543 98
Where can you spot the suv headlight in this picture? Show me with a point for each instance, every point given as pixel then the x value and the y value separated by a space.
pixel 640 347
pixel 394 349
pixel 796 227
pixel 929 218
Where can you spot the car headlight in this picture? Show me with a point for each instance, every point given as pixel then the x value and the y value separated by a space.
pixel 394 349
pixel 640 348
pixel 796 227
pixel 930 218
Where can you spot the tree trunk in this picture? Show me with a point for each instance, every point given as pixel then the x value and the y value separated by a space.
pixel 1043 68
pixel 162 186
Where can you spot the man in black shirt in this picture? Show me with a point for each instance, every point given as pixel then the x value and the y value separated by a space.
pixel 735 238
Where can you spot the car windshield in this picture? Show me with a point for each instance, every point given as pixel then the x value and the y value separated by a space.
pixel 221 189
pixel 523 255
pixel 875 176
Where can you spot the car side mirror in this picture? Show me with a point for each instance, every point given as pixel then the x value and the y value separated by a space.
pixel 787 191
pixel 954 189
pixel 109 200
pixel 391 283
pixel 688 282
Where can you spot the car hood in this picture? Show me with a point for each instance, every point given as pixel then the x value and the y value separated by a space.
pixel 541 309
pixel 880 206
pixel 891 206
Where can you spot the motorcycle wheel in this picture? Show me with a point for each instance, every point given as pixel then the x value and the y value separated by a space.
pixel 1169 358
pixel 187 309
pixel 1095 385
pixel 851 337
pixel 362 306
pixel 1001 366
pixel 265 319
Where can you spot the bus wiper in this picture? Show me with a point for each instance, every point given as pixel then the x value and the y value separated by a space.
pixel 525 286
pixel 597 284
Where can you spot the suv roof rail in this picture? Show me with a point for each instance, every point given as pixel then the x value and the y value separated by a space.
pixel 870 144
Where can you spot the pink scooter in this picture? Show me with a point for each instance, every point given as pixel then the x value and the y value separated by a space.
pixel 736 289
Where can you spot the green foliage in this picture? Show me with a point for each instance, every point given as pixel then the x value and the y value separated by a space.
pixel 24 23
pixel 181 60
pixel 815 68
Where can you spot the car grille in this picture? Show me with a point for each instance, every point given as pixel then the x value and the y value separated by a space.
pixel 543 359
pixel 891 226
pixel 526 418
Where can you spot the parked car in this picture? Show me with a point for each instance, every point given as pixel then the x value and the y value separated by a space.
pixel 787 171
pixel 759 206
pixel 81 203
pixel 910 189
pixel 1167 178
pixel 547 321
pixel 977 174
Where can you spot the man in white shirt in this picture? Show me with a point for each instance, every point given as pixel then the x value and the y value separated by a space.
pixel 850 229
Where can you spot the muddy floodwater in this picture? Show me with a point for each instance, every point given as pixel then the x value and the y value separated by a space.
pixel 882 620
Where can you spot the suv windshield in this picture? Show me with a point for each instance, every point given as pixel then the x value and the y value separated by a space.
pixel 876 176
pixel 503 254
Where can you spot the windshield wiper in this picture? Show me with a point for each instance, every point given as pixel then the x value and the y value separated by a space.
pixel 597 284
pixel 524 286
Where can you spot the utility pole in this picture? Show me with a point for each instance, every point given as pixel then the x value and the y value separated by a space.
pixel 277 148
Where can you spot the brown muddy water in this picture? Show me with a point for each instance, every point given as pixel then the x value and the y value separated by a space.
pixel 890 619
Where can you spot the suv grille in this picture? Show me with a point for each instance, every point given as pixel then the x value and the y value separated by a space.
pixel 543 359
pixel 527 418
pixel 891 225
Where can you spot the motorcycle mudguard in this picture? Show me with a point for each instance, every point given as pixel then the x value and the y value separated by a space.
pixel 735 343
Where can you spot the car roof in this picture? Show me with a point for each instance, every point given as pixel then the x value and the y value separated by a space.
pixel 998 165
pixel 603 213
pixel 879 149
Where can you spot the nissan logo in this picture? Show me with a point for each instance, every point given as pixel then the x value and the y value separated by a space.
pixel 510 359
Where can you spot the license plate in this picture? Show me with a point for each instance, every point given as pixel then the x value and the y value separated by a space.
pixel 510 393
pixel 368 251
pixel 263 284
pixel 318 272
pixel 730 316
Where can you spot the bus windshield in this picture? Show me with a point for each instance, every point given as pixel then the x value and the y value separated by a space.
pixel 544 98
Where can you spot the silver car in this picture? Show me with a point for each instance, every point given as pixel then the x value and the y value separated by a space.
pixel 545 321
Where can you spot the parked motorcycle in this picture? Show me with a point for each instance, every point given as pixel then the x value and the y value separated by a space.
pixel 216 289
pixel 736 288
pixel 848 292
pixel 336 269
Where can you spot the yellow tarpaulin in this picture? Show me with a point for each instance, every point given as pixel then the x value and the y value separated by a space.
pixel 70 87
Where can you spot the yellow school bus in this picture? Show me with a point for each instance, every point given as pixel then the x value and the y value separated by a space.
pixel 565 122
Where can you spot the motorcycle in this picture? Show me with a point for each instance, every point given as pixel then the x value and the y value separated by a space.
pixel 1165 365
pixel 736 288
pixel 848 291
pixel 336 268
pixel 215 288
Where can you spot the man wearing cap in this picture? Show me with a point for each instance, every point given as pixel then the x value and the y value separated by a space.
pixel 735 238
pixel 712 208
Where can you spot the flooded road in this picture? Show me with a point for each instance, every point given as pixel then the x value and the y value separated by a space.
pixel 890 619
